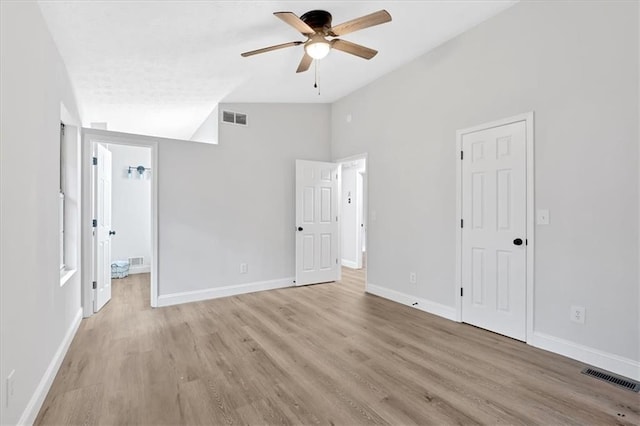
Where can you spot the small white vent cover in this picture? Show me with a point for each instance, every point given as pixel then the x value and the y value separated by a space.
pixel 136 261
pixel 232 117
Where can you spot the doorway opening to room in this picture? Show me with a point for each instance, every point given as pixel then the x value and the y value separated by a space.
pixel 120 191
pixel 354 218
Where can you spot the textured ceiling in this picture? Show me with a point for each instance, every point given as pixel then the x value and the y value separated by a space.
pixel 160 67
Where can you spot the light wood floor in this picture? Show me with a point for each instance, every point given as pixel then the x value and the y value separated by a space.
pixel 322 354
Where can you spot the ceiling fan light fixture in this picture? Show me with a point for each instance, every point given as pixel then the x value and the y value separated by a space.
pixel 317 48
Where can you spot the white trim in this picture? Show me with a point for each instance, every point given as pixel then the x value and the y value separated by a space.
pixel 89 138
pixel 444 311
pixel 230 290
pixel 86 230
pixel 611 362
pixel 350 264
pixel 528 118
pixel 37 399
pixel 65 275
pixel 140 269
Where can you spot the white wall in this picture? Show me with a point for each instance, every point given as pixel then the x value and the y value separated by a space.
pixel 208 130
pixel 231 203
pixel 37 314
pixel 576 65
pixel 131 205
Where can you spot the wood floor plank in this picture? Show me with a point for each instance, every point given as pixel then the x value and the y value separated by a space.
pixel 320 354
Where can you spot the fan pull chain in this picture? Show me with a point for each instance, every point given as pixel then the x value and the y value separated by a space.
pixel 315 84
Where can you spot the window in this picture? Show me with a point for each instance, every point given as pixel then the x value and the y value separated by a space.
pixel 68 211
pixel 61 210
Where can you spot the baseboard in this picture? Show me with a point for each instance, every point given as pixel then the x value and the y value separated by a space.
pixel 142 269
pixel 425 305
pixel 35 403
pixel 214 293
pixel 349 264
pixel 614 363
pixel 611 362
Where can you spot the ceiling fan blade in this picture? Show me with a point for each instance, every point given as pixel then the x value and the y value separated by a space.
pixel 375 18
pixel 297 23
pixel 305 63
pixel 270 48
pixel 354 49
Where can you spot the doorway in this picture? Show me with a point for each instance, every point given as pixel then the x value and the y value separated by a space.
pixel 495 234
pixel 120 201
pixel 130 210
pixel 354 215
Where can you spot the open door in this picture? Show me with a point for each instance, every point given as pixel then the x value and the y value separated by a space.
pixel 317 228
pixel 103 232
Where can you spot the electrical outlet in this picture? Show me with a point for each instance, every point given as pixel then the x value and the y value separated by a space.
pixel 413 278
pixel 244 268
pixel 577 314
pixel 11 388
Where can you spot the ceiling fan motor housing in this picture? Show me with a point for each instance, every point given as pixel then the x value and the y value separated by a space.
pixel 319 20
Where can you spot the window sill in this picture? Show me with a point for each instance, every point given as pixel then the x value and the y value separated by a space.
pixel 65 275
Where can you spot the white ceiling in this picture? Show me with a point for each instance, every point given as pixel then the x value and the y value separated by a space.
pixel 160 67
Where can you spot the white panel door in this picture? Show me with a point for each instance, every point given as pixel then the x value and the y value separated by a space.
pixel 317 229
pixel 103 230
pixel 494 229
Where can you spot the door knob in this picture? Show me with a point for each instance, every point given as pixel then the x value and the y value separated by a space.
pixel 112 232
pixel 517 241
pixel 300 228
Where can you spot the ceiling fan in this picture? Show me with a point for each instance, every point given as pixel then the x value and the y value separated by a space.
pixel 316 26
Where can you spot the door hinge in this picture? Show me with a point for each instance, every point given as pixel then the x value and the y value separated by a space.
pixel 461 223
pixel 526 242
pixel 461 291
pixel 336 261
pixel 336 218
pixel 94 223
pixel 95 285
pixel 94 161
pixel 462 155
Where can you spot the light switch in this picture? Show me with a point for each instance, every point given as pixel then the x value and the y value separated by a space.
pixel 542 217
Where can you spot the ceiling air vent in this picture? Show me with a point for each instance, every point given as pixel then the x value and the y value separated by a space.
pixel 231 117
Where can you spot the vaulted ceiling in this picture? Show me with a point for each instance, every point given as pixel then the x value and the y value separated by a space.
pixel 160 67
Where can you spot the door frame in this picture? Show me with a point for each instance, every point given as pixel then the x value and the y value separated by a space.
pixel 365 206
pixel 91 137
pixel 528 118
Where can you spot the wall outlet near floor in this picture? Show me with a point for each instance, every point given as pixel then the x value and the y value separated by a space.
pixel 11 388
pixel 577 314
pixel 413 279
pixel 244 268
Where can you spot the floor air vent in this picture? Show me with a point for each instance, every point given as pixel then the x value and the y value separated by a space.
pixel 614 379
